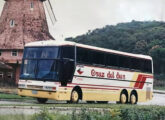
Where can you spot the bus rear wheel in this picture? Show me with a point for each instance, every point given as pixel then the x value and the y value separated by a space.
pixel 90 102
pixel 133 98
pixel 75 96
pixel 42 100
pixel 123 98
pixel 102 102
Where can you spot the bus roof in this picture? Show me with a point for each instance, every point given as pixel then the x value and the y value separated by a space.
pixel 64 43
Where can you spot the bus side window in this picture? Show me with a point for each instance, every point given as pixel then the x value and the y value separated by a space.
pixel 84 55
pixel 111 60
pixel 80 55
pixel 107 59
pixel 124 62
pixel 136 64
pixel 97 58
pixel 147 66
pixel 114 60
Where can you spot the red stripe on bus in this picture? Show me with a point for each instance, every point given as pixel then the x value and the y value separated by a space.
pixel 100 85
pixel 141 80
pixel 96 88
pixel 137 81
pixel 142 84
pixel 144 80
pixel 107 68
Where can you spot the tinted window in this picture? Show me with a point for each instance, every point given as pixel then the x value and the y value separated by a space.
pixel 83 55
pixel 41 52
pixel 32 52
pixel 124 61
pixel 46 70
pixel 88 56
pixel 97 57
pixel 40 70
pixel 113 60
pixel 136 63
pixel 147 66
pixel 68 52
pixel 50 52
pixel 29 69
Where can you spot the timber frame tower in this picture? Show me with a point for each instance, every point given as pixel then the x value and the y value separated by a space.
pixel 21 21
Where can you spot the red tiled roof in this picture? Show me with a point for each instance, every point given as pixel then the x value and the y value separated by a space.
pixel 29 25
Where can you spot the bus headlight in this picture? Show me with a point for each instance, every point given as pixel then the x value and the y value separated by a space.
pixel 49 88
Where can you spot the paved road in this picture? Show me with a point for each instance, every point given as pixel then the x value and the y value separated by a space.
pixel 159 99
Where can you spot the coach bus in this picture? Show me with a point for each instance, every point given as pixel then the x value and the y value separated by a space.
pixel 69 71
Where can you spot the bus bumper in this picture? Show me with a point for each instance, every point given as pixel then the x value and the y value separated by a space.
pixel 55 95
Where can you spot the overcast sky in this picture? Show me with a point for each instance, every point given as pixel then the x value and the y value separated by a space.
pixel 76 17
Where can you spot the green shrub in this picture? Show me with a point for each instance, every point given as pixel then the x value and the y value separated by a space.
pixel 15 117
pixel 62 117
pixel 43 115
pixel 122 112
pixel 86 114
pixel 142 113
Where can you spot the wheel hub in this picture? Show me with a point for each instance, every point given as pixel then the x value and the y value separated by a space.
pixel 133 99
pixel 123 98
pixel 74 96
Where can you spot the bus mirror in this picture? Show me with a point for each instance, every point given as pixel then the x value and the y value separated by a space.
pixel 66 71
pixel 66 60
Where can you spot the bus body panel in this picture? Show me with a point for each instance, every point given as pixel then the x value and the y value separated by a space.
pixel 97 82
pixel 88 79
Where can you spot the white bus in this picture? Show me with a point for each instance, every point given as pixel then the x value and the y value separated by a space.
pixel 72 72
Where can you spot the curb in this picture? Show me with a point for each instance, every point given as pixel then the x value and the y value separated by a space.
pixel 159 91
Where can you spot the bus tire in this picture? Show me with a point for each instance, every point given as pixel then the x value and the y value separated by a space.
pixel 75 96
pixel 133 98
pixel 68 102
pixel 123 97
pixel 42 100
pixel 90 102
pixel 102 102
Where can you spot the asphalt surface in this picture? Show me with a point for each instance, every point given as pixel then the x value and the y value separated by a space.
pixel 158 99
pixel 17 106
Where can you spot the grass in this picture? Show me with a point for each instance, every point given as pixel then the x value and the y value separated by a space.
pixel 82 105
pixel 159 88
pixel 15 117
pixel 12 96
pixel 9 96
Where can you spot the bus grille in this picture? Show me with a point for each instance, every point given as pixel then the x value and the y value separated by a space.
pixel 34 87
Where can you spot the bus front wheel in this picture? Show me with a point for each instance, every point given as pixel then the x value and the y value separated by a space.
pixel 42 100
pixel 75 96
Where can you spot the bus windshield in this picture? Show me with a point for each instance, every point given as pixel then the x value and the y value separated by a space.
pixel 41 64
pixel 41 53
